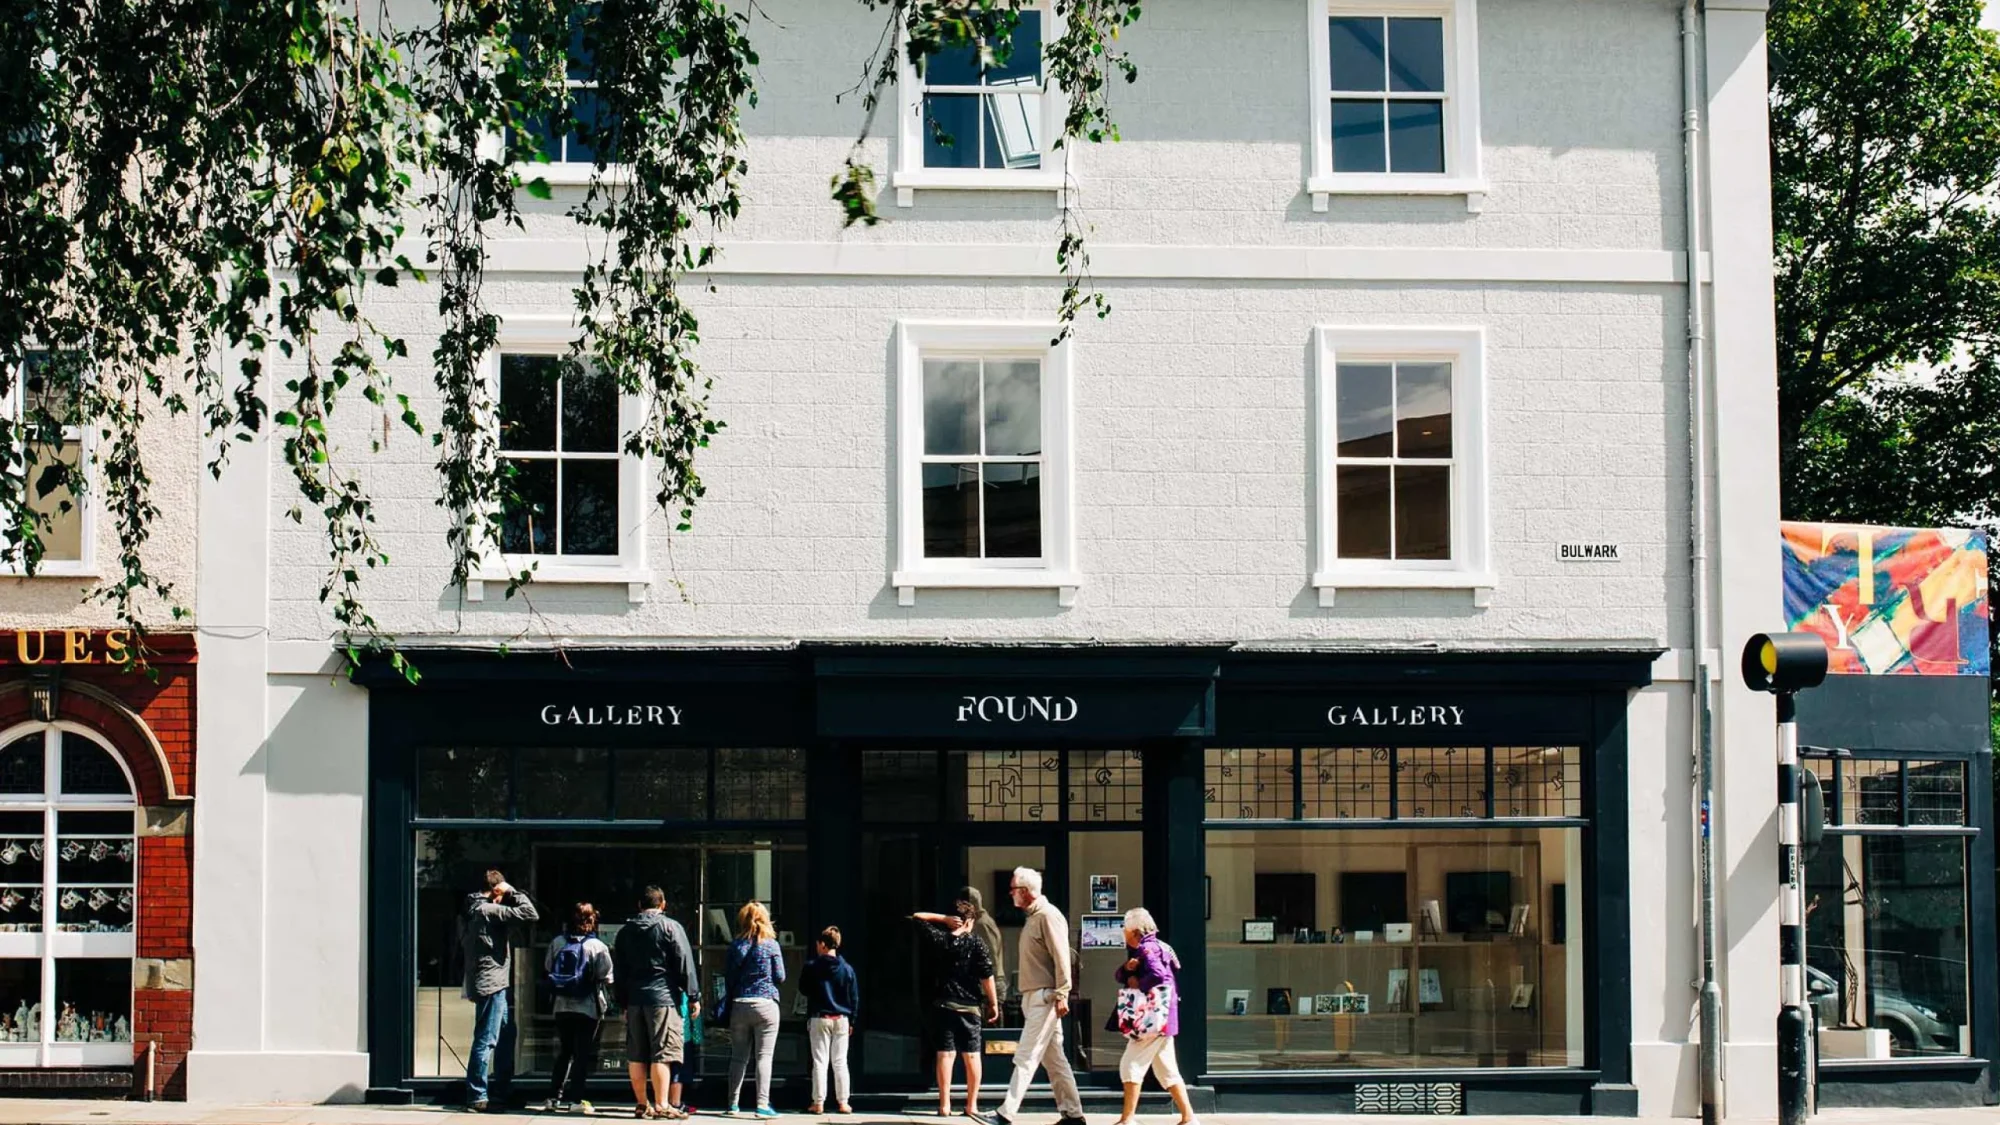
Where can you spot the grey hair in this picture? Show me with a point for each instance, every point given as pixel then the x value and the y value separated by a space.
pixel 1141 919
pixel 1030 879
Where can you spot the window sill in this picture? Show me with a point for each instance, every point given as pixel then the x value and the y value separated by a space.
pixel 1481 583
pixel 1320 187
pixel 634 579
pixel 975 179
pixel 570 173
pixel 55 570
pixel 908 582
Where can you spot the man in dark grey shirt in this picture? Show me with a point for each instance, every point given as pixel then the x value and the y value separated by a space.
pixel 487 944
pixel 654 968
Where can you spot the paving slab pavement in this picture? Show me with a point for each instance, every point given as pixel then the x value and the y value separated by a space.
pixel 50 1111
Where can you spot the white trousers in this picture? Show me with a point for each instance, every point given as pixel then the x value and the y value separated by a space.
pixel 828 1039
pixel 1042 1043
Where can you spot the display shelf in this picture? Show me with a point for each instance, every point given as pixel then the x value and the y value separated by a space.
pixel 1471 984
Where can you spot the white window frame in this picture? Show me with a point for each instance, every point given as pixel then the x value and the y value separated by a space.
pixel 562 173
pixel 52 945
pixel 85 564
pixel 1462 173
pixel 1470 566
pixel 552 335
pixel 910 173
pixel 1056 568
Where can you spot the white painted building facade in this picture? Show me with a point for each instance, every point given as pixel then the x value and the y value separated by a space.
pixel 1190 445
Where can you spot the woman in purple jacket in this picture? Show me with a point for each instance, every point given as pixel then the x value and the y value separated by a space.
pixel 1149 964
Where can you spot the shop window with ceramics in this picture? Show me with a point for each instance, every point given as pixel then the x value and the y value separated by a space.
pixel 1395 907
pixel 68 898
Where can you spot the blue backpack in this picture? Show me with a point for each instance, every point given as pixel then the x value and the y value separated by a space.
pixel 569 975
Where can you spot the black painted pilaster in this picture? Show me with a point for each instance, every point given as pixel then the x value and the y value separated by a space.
pixel 1176 865
pixel 391 905
pixel 1607 913
pixel 833 839
pixel 1980 905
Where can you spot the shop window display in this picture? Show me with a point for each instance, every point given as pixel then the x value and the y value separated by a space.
pixel 604 857
pixel 1365 933
pixel 1886 911
pixel 68 898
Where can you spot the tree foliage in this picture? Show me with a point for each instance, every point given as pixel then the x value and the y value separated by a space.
pixel 197 196
pixel 1885 151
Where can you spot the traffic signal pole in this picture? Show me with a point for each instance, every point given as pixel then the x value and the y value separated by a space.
pixel 1784 664
pixel 1794 1022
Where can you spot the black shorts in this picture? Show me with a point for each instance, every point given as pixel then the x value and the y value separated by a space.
pixel 954 1031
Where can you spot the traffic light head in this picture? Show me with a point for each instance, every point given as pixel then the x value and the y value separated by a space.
pixel 1784 662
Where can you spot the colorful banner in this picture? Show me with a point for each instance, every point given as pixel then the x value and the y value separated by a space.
pixel 1890 600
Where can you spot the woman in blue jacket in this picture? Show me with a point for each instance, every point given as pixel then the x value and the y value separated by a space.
pixel 753 972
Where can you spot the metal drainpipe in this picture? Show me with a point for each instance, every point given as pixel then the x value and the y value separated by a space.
pixel 1703 718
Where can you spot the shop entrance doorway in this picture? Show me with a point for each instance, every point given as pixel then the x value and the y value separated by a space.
pixel 904 872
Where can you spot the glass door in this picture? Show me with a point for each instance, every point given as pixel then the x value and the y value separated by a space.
pixel 906 872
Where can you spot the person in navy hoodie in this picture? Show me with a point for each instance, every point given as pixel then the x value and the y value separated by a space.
pixel 833 997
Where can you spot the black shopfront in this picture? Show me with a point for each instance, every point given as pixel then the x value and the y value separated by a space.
pixel 1392 879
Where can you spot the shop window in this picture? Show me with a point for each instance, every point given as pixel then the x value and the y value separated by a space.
pixel 1105 785
pixel 63 521
pixel 1395 783
pixel 1395 98
pixel 597 784
pixel 984 483
pixel 667 783
pixel 68 899
pixel 1002 786
pixel 1886 910
pixel 1008 785
pixel 1394 947
pixel 974 118
pixel 1401 473
pixel 564 783
pixel 706 875
pixel 760 784
pixel 900 785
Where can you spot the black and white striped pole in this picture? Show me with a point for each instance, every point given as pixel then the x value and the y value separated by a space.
pixel 1784 664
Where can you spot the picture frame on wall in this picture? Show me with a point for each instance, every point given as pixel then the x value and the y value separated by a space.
pixel 1517 920
pixel 1277 1001
pixel 1399 989
pixel 1236 1001
pixel 1260 931
pixel 1524 997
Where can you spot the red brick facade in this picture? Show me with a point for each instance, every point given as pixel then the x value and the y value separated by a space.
pixel 149 718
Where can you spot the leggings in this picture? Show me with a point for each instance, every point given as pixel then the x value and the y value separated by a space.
pixel 576 1055
pixel 753 1025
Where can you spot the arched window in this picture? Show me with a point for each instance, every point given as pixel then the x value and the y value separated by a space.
pixel 69 855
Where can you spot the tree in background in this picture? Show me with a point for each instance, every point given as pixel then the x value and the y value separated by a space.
pixel 1885 168
pixel 1885 161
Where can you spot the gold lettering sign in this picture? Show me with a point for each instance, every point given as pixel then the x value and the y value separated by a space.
pixel 71 646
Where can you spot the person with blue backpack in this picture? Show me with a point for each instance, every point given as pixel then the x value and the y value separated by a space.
pixel 578 972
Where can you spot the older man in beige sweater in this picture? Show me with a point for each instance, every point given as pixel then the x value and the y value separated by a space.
pixel 1043 981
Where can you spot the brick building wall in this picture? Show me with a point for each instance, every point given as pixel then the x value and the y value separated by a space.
pixel 149 719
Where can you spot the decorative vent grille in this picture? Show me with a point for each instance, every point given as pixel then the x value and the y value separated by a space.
pixel 1437 1099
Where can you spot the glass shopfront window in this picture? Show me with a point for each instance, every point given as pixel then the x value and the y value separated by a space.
pixel 1369 935
pixel 1886 921
pixel 679 818
pixel 69 854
